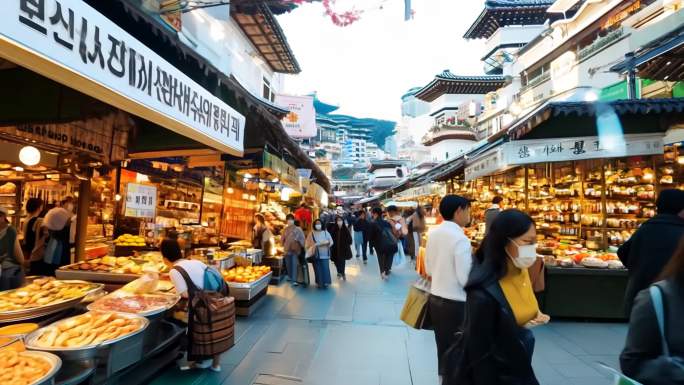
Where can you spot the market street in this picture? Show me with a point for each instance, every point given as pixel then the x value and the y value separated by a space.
pixel 351 334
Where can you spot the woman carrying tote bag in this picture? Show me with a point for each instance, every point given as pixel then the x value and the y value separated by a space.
pixel 318 245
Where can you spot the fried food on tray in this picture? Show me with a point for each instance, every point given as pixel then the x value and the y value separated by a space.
pixel 87 329
pixel 20 368
pixel 121 265
pixel 42 292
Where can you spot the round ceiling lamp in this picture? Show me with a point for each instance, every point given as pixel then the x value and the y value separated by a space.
pixel 29 155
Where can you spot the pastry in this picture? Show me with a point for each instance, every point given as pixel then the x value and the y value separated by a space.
pixel 87 329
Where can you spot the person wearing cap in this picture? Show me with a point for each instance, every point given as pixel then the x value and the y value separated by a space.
pixel 448 261
pixel 651 247
pixel 11 256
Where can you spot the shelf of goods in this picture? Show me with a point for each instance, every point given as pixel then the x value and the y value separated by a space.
pixel 124 337
pixel 583 211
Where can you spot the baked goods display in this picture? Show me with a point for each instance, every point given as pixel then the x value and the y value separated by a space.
pixel 121 265
pixel 44 292
pixel 130 240
pixel 85 330
pixel 23 368
pixel 245 274
pixel 142 304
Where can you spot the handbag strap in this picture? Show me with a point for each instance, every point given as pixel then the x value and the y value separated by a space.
pixel 657 299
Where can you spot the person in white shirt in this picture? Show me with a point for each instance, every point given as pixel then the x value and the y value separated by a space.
pixel 448 260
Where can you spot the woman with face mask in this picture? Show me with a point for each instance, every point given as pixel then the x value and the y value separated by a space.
pixel 497 343
pixel 318 245
pixel 341 252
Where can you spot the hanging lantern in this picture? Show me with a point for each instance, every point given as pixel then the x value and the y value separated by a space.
pixel 29 155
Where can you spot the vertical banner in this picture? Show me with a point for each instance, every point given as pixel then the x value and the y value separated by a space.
pixel 300 122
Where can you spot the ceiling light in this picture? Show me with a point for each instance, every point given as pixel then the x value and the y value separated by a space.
pixel 29 155
pixel 230 190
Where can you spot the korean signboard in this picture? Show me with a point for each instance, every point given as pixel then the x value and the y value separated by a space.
pixel 591 147
pixel 487 164
pixel 300 122
pixel 141 200
pixel 70 42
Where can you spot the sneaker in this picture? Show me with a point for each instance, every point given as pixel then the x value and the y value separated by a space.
pixel 216 369
pixel 344 277
pixel 202 364
pixel 383 276
pixel 295 283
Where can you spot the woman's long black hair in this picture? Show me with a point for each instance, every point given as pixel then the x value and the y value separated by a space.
pixel 490 258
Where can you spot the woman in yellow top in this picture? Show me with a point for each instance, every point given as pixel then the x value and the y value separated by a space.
pixel 497 343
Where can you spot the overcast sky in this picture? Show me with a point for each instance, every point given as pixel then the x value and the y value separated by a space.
pixel 366 67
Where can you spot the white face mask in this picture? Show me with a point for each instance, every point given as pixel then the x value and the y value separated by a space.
pixel 318 226
pixel 290 222
pixel 527 255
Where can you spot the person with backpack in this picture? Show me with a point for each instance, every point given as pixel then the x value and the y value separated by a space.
pixel 400 230
pixel 318 246
pixel 383 241
pixel 293 240
pixel 211 312
pixel 496 345
pixel 654 351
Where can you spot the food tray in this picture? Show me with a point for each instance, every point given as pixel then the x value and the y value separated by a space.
pixel 36 312
pixel 245 291
pixel 174 298
pixel 55 362
pixel 95 276
pixel 81 352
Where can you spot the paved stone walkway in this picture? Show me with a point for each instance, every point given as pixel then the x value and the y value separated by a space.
pixel 351 334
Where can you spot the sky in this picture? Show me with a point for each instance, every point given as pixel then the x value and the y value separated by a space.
pixel 366 67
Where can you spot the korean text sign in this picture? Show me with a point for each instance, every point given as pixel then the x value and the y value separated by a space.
pixel 141 201
pixel 591 147
pixel 85 42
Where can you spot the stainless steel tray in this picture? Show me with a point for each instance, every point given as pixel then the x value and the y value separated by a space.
pixel 245 291
pixel 96 276
pixel 81 352
pixel 174 298
pixel 40 311
pixel 55 361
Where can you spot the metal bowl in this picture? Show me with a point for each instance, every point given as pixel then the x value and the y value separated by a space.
pixel 81 352
pixel 54 361
pixel 39 311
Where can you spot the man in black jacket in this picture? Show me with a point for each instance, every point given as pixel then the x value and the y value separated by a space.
pixel 647 252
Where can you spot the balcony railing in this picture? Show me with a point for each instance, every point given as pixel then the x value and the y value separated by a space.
pixel 600 43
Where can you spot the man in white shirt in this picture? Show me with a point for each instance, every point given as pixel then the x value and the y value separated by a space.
pixel 448 260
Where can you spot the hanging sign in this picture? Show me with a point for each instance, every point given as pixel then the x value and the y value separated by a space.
pixel 485 165
pixel 588 147
pixel 141 201
pixel 300 122
pixel 74 44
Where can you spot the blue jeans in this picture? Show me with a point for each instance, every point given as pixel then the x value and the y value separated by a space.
pixel 322 271
pixel 360 245
pixel 291 264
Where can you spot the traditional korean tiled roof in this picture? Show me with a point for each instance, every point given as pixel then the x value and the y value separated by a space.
pixel 258 22
pixel 500 13
pixel 551 110
pixel 448 83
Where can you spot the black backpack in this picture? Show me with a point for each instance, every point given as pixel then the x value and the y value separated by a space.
pixel 387 242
